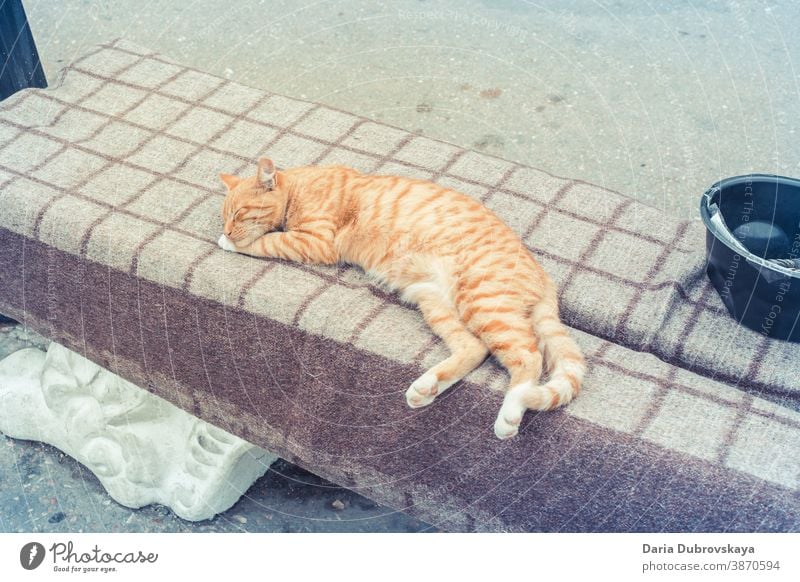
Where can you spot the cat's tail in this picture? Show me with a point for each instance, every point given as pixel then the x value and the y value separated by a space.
pixel 565 365
pixel 565 371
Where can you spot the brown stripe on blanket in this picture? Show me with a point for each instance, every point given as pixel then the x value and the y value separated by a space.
pixel 284 389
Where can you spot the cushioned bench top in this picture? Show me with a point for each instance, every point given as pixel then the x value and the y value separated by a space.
pixel 109 216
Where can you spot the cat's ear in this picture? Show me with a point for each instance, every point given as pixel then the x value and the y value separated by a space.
pixel 229 180
pixel 266 173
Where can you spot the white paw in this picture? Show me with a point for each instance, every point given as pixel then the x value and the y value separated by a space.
pixel 423 390
pixel 510 415
pixel 503 429
pixel 225 244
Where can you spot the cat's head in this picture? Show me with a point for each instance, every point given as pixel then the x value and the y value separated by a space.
pixel 254 205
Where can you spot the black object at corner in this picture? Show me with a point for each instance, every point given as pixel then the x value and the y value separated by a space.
pixel 19 61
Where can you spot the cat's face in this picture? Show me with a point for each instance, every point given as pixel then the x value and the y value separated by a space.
pixel 254 205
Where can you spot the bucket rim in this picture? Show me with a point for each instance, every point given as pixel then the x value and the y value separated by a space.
pixel 711 195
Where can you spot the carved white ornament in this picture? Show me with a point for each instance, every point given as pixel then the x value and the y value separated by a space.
pixel 142 448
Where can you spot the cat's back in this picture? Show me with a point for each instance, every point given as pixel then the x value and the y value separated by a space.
pixel 399 215
pixel 436 213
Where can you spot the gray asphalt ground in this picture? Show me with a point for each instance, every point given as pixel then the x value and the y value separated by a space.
pixel 653 99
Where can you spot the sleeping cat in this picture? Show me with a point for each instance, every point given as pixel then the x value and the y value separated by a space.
pixel 478 287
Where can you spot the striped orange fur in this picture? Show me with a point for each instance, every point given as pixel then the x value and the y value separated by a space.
pixel 476 283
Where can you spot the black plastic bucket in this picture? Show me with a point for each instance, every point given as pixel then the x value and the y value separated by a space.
pixel 753 249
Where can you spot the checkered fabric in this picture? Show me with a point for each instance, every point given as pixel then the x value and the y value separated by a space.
pixel 109 216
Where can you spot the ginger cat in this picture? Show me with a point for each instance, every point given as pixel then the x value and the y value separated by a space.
pixel 477 285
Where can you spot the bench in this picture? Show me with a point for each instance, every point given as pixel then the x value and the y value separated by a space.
pixel 110 213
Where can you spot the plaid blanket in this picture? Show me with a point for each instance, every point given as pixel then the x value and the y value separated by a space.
pixel 109 216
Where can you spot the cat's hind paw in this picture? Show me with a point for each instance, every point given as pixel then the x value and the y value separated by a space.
pixel 422 391
pixel 225 244
pixel 425 389
pixel 510 415
pixel 505 428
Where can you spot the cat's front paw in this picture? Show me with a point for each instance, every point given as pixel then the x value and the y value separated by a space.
pixel 225 244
